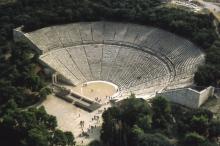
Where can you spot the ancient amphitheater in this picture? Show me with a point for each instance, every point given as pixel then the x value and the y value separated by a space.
pixel 133 58
pixel 136 58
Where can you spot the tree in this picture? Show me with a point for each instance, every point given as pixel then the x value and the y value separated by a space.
pixel 213 53
pixel 145 122
pixel 59 138
pixel 207 75
pixel 118 121
pixel 161 113
pixel 36 137
pixel 9 107
pixel 20 80
pixel 44 92
pixel 31 127
pixel 200 125
pixel 204 37
pixel 133 109
pixel 70 140
pixel 193 139
pixel 214 129
pixel 95 143
pixel 108 127
pixel 196 120
pixel 47 120
pixel 152 140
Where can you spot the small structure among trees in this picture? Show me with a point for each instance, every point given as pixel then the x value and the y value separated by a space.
pixel 188 97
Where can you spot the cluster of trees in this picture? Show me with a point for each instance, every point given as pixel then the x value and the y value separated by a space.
pixel 137 122
pixel 32 127
pixel 209 74
pixel 18 77
pixel 21 85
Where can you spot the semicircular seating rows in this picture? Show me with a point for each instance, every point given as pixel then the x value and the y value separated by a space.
pixel 134 57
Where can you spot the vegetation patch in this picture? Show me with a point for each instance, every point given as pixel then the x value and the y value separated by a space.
pixel 158 123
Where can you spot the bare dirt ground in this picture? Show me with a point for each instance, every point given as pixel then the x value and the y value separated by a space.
pixel 213 104
pixel 215 9
pixel 100 90
pixel 69 118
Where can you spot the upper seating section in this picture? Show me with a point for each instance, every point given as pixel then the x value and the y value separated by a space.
pixel 128 55
pixel 99 32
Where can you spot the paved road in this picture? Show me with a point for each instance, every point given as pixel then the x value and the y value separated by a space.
pixel 209 5
pixel 212 7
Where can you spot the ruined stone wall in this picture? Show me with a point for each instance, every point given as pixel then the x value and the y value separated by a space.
pixel 205 94
pixel 188 97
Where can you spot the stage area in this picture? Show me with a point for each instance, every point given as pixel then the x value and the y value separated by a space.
pixel 96 90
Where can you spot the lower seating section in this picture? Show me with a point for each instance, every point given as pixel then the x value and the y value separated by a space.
pixel 109 55
pixel 79 56
pixel 94 57
pixel 131 56
pixel 124 66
